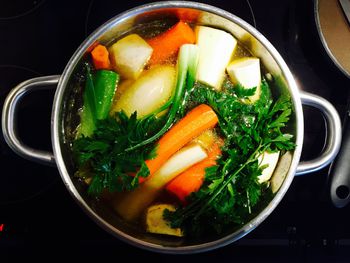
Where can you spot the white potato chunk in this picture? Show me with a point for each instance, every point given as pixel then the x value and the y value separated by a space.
pixel 246 71
pixel 215 51
pixel 271 160
pixel 129 55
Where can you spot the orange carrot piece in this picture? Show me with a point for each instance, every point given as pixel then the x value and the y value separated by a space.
pixel 192 179
pixel 168 43
pixel 192 125
pixel 100 57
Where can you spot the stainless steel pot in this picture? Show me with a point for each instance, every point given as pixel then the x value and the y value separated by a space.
pixel 66 96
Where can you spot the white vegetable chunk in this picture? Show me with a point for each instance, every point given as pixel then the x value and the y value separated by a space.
pixel 179 162
pixel 215 51
pixel 134 203
pixel 129 55
pixel 281 171
pixel 148 93
pixel 155 223
pixel 271 160
pixel 246 71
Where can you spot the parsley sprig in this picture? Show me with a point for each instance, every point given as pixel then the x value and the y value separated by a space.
pixel 231 189
pixel 104 152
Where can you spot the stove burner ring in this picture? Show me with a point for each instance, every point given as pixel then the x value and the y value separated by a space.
pixel 12 9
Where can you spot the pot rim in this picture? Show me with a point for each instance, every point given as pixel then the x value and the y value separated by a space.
pixel 56 127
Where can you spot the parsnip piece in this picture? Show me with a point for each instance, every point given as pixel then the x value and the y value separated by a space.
pixel 148 93
pixel 155 223
pixel 215 51
pixel 246 71
pixel 129 55
pixel 134 203
pixel 271 160
pixel 281 171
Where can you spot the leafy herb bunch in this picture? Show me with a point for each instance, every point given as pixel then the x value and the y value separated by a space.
pixel 104 154
pixel 231 189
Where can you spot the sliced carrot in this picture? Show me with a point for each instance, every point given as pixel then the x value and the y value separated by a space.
pixel 192 179
pixel 193 124
pixel 100 57
pixel 168 43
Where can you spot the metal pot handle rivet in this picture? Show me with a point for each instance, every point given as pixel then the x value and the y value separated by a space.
pixel 333 134
pixel 9 119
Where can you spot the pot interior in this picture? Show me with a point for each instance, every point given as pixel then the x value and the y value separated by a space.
pixel 69 103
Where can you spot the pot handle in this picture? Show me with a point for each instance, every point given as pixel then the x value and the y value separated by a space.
pixel 9 119
pixel 333 134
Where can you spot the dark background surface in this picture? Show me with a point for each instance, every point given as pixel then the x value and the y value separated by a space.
pixel 37 38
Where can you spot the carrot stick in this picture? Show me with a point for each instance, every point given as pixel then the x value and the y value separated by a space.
pixel 192 125
pixel 168 43
pixel 100 57
pixel 192 179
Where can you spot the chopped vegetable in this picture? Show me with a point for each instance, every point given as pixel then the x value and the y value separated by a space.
pixel 97 98
pixel 133 203
pixel 149 92
pixel 129 55
pixel 192 179
pixel 105 83
pixel 281 171
pixel 100 57
pixel 156 224
pixel 268 162
pixel 215 50
pixel 246 72
pixel 168 44
pixel 88 114
pixel 193 124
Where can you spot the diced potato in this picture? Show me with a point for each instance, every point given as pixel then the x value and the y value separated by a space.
pixel 134 203
pixel 148 93
pixel 246 71
pixel 215 51
pixel 129 55
pixel 271 160
pixel 155 223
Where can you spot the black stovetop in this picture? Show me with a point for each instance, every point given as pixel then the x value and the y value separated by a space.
pixel 38 38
